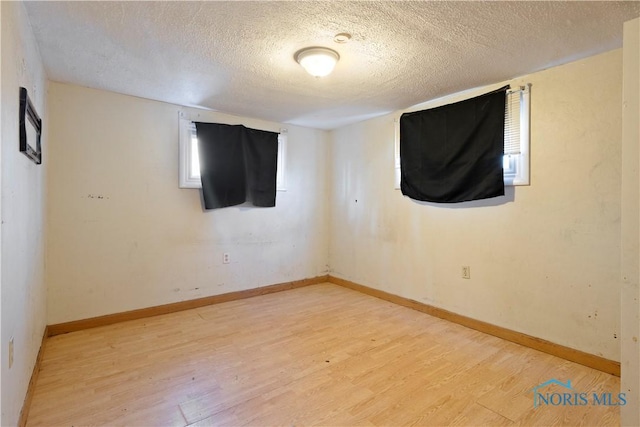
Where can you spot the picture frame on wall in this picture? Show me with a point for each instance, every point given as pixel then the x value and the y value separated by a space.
pixel 30 129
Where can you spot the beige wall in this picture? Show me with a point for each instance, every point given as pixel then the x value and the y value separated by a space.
pixel 630 293
pixel 123 236
pixel 545 259
pixel 23 191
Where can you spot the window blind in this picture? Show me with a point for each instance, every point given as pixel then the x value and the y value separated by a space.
pixel 512 122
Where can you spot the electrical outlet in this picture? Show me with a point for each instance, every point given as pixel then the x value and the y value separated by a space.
pixel 466 272
pixel 10 352
pixel 226 258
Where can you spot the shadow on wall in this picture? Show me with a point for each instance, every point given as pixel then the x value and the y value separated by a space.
pixel 509 197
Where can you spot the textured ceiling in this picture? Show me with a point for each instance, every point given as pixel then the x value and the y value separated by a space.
pixel 237 57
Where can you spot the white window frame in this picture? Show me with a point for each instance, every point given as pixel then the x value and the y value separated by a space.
pixel 190 171
pixel 516 166
pixel 281 176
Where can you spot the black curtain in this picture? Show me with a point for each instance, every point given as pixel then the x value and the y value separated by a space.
pixel 237 164
pixel 454 153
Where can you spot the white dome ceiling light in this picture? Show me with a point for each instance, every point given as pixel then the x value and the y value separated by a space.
pixel 317 61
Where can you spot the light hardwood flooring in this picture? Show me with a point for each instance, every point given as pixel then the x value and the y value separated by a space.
pixel 318 355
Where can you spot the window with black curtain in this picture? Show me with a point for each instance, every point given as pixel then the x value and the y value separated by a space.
pixel 454 153
pixel 237 165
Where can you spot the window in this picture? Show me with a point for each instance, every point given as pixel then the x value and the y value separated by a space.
pixel 281 184
pixel 516 139
pixel 190 163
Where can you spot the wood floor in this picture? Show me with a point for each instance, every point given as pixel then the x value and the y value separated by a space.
pixel 319 355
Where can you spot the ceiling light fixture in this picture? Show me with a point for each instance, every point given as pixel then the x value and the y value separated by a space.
pixel 317 61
